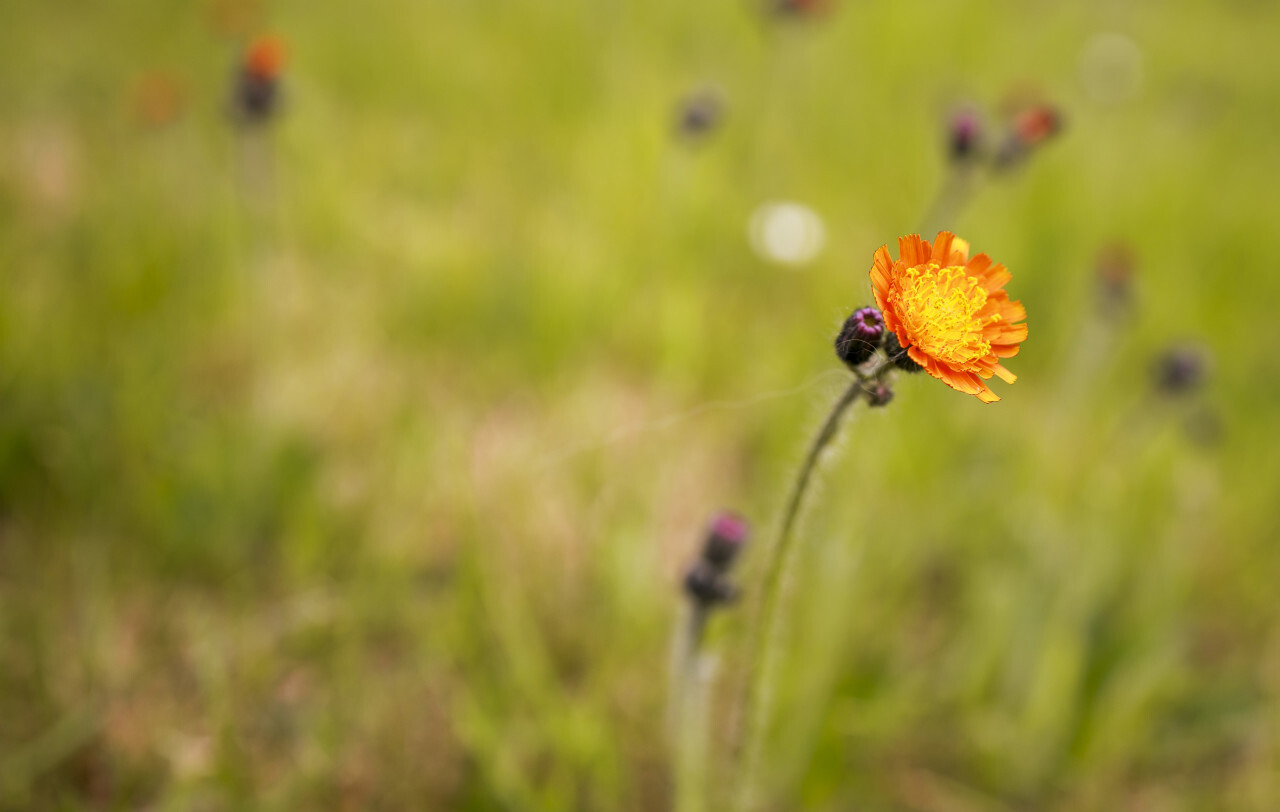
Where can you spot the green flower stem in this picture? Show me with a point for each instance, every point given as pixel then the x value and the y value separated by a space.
pixel 691 671
pixel 766 641
pixel 956 189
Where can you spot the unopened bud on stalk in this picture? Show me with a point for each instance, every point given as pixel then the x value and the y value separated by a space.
pixel 860 336
pixel 898 356
pixel 726 536
pixel 707 581
pixel 708 587
pixel 256 95
pixel 879 394
pixel 700 113
pixel 799 8
pixel 1029 129
pixel 1037 124
pixel 1181 369
pixel 964 136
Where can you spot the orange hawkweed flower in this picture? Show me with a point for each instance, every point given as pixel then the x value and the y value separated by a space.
pixel 1037 124
pixel 950 312
pixel 264 59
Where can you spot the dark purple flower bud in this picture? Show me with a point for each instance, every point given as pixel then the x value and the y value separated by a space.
pixel 256 99
pixel 860 336
pixel 879 394
pixel 964 136
pixel 799 8
pixel 256 94
pixel 700 113
pixel 726 535
pixel 707 581
pixel 1181 369
pixel 897 355
pixel 708 586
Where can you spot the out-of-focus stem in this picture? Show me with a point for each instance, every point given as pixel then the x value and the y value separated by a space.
pixel 690 676
pixel 953 194
pixel 767 638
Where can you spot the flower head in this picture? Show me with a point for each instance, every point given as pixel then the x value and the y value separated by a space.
pixel 1181 369
pixel 256 95
pixel 879 394
pixel 860 336
pixel 800 8
pixel 964 135
pixel 707 581
pixel 700 112
pixel 726 536
pixel 950 312
pixel 1029 129
pixel 1037 124
pixel 264 58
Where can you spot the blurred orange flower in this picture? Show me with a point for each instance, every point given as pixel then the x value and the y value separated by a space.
pixel 265 58
pixel 157 99
pixel 950 312
pixel 1037 124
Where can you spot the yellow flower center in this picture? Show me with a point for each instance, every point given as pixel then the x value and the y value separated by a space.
pixel 939 312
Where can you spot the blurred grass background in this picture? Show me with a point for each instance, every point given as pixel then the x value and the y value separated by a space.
pixel 354 463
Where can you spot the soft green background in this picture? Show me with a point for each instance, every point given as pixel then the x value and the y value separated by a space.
pixel 355 464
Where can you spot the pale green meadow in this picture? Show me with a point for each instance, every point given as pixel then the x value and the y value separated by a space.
pixel 354 461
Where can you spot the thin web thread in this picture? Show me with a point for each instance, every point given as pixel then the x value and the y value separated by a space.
pixel 664 423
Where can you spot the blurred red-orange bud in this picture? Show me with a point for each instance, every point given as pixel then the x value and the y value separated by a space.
pixel 1037 123
pixel 265 58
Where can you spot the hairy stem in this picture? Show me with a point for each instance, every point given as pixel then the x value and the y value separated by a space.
pixel 766 641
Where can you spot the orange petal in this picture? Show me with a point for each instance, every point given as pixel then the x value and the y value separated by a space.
pixel 882 302
pixel 948 249
pixel 923 360
pixel 890 321
pixel 942 247
pixel 994 307
pixel 992 275
pixel 1004 374
pixel 977 266
pixel 912 250
pixel 968 383
pixel 1004 333
pixel 962 381
pixel 1013 311
pixel 882 270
